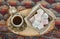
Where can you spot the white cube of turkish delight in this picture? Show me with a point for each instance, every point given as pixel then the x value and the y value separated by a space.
pixel 41 26
pixel 45 21
pixel 37 17
pixel 45 15
pixel 37 24
pixel 40 11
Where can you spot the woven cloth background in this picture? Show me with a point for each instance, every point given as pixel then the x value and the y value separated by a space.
pixel 54 34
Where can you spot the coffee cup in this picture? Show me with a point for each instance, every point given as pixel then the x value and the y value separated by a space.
pixel 17 20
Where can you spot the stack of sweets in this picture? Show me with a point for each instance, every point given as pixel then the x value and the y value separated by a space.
pixel 40 19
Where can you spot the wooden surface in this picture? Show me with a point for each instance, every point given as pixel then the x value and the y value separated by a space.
pixel 27 32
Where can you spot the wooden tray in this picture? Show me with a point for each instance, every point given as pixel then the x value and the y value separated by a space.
pixel 29 31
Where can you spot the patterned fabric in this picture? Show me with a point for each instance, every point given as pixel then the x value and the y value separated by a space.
pixel 23 4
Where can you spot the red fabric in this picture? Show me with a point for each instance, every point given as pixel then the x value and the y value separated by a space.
pixel 36 0
pixel 3 11
pixel 57 22
pixel 28 4
pixel 57 8
pixel 51 1
pixel 12 3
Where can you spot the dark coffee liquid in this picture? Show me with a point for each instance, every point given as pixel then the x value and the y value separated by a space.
pixel 17 20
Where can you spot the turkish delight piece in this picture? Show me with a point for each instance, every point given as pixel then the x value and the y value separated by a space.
pixel 37 24
pixel 45 21
pixel 37 17
pixel 41 26
pixel 40 11
pixel 45 15
pixel 39 14
pixel 45 18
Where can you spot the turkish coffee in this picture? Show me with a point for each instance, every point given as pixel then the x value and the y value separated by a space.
pixel 17 20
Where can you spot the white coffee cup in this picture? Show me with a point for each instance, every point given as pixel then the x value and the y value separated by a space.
pixel 17 20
